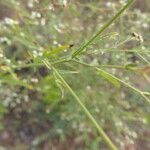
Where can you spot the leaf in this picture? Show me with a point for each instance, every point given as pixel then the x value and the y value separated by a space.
pixel 2 109
pixel 109 77
pixel 130 66
pixel 56 51
pixel 111 35
pixel 26 42
pixel 91 39
pixel 51 92
pixel 9 79
pixel 68 71
pixel 147 118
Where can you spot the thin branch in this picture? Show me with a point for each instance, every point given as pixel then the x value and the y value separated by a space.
pixel 127 85
pixel 80 50
pixel 89 115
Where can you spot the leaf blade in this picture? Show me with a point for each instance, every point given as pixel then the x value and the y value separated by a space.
pixel 109 77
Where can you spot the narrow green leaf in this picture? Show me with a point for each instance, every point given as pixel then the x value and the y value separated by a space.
pixel 55 51
pixel 122 82
pixel 130 66
pixel 109 77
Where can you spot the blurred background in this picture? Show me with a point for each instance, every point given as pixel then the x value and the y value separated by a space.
pixel 36 112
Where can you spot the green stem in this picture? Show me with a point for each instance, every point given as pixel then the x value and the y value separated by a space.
pixel 76 61
pixel 78 51
pixel 127 85
pixel 92 119
pixel 40 64
pixel 104 66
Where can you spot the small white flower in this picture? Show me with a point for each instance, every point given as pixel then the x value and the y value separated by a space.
pixel 145 25
pixel 8 61
pixel 43 21
pixel 18 101
pixel 88 87
pixel 1 55
pixel 26 98
pixel 10 21
pixel 109 4
pixel 30 4
pixel 22 34
pixel 51 7
pixel 55 42
pixel 64 2
pixel 5 39
pixel 35 80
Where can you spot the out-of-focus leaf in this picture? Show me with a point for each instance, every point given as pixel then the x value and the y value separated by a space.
pixel 2 109
pixel 147 119
pixel 4 68
pixel 9 79
pixel 49 89
pixel 25 42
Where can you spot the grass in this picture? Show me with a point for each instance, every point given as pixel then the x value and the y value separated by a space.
pixel 99 128
pixel 86 111
pixel 77 52
pixel 42 47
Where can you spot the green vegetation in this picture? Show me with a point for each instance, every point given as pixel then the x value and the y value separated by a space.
pixel 70 69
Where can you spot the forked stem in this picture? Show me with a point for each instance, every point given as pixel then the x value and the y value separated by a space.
pixel 80 50
pixel 89 115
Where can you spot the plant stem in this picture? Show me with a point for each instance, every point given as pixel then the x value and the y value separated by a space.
pixel 92 119
pixel 128 85
pixel 78 51
pixel 40 64
pixel 104 66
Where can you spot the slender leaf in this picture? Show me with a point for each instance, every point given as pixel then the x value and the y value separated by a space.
pixel 109 77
